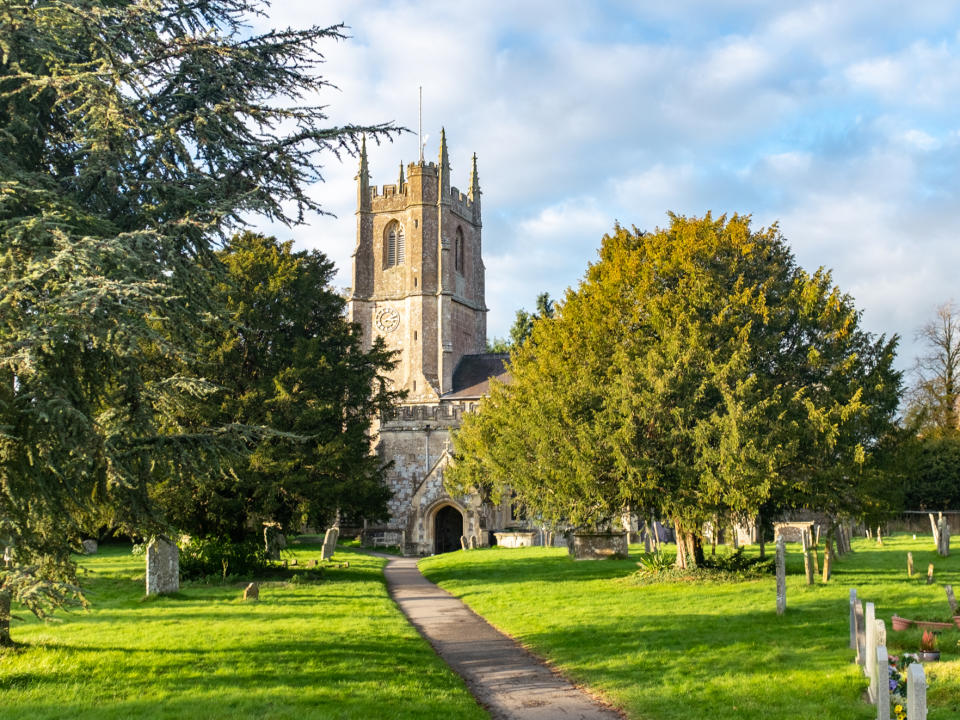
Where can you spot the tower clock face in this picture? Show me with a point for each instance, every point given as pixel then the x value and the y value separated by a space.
pixel 387 319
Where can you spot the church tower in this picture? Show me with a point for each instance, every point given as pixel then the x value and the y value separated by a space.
pixel 418 274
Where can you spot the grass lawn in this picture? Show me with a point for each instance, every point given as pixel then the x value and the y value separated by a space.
pixel 711 650
pixel 338 648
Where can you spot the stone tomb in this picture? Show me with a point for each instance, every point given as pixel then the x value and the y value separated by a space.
pixel 597 546
pixel 515 539
pixel 163 567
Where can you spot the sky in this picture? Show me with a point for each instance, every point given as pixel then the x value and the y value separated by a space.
pixel 839 121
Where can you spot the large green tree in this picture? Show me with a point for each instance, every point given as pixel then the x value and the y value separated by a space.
pixel 934 400
pixel 696 371
pixel 134 137
pixel 287 361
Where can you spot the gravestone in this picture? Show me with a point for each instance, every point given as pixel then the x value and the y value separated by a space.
pixel 943 537
pixel 951 599
pixel 909 564
pixel 936 530
pixel 463 543
pixel 163 567
pixel 861 624
pixel 916 692
pixel 313 563
pixel 853 618
pixel 883 683
pixel 807 560
pixel 781 576
pixel 251 592
pixel 881 633
pixel 930 574
pixel 330 543
pixel 273 540
pixel 870 624
pixel 89 547
pixel 473 542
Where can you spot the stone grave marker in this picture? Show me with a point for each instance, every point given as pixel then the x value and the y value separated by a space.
pixel 870 623
pixel 916 692
pixel 312 563
pixel 163 567
pixel 463 542
pixel 930 574
pixel 251 592
pixel 936 530
pixel 807 560
pixel 881 633
pixel 853 618
pixel 473 542
pixel 329 543
pixel 943 537
pixel 89 547
pixel 909 564
pixel 273 540
pixel 861 625
pixel 781 576
pixel 883 684
pixel 951 599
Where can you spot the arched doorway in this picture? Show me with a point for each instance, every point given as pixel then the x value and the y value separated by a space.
pixel 447 529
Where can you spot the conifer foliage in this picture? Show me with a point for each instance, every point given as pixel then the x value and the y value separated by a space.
pixel 695 372
pixel 133 138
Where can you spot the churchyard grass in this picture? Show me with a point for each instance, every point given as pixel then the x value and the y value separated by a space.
pixel 338 648
pixel 711 649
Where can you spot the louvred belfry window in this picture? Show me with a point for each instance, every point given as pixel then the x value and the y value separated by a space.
pixel 395 245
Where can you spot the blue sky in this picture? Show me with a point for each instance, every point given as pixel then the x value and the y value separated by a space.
pixel 838 120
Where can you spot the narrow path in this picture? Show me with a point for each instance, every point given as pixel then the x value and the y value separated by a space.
pixel 505 678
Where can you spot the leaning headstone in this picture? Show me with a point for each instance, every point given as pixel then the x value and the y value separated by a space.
pixel 273 540
pixel 329 543
pixel 853 618
pixel 909 564
pixel 463 542
pixel 930 574
pixel 163 567
pixel 951 598
pixel 473 542
pixel 89 547
pixel 870 623
pixel 781 576
pixel 943 537
pixel 861 625
pixel 883 684
pixel 916 692
pixel 251 592
pixel 936 531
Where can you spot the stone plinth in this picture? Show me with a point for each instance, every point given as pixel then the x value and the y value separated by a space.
pixel 597 546
pixel 515 539
pixel 163 567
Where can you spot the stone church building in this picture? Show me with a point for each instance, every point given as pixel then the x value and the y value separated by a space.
pixel 418 282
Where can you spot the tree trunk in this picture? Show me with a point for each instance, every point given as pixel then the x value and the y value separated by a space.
pixel 681 546
pixel 5 599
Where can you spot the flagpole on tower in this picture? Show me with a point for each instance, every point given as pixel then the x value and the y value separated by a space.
pixel 420 125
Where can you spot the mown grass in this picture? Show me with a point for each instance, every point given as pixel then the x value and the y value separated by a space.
pixel 334 648
pixel 710 650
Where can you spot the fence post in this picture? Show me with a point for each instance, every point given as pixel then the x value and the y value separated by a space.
pixel 916 692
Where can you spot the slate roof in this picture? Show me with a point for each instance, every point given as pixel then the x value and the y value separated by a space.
pixel 471 377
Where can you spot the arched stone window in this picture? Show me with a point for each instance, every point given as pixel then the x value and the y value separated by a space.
pixel 394 250
pixel 458 251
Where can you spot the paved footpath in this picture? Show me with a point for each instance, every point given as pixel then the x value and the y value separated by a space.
pixel 506 679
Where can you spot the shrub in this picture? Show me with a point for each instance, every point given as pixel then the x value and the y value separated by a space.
pixel 220 557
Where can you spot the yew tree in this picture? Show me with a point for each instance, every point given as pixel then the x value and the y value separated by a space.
pixel 290 364
pixel 695 372
pixel 134 138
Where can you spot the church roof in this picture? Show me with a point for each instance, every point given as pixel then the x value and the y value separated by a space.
pixel 471 377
